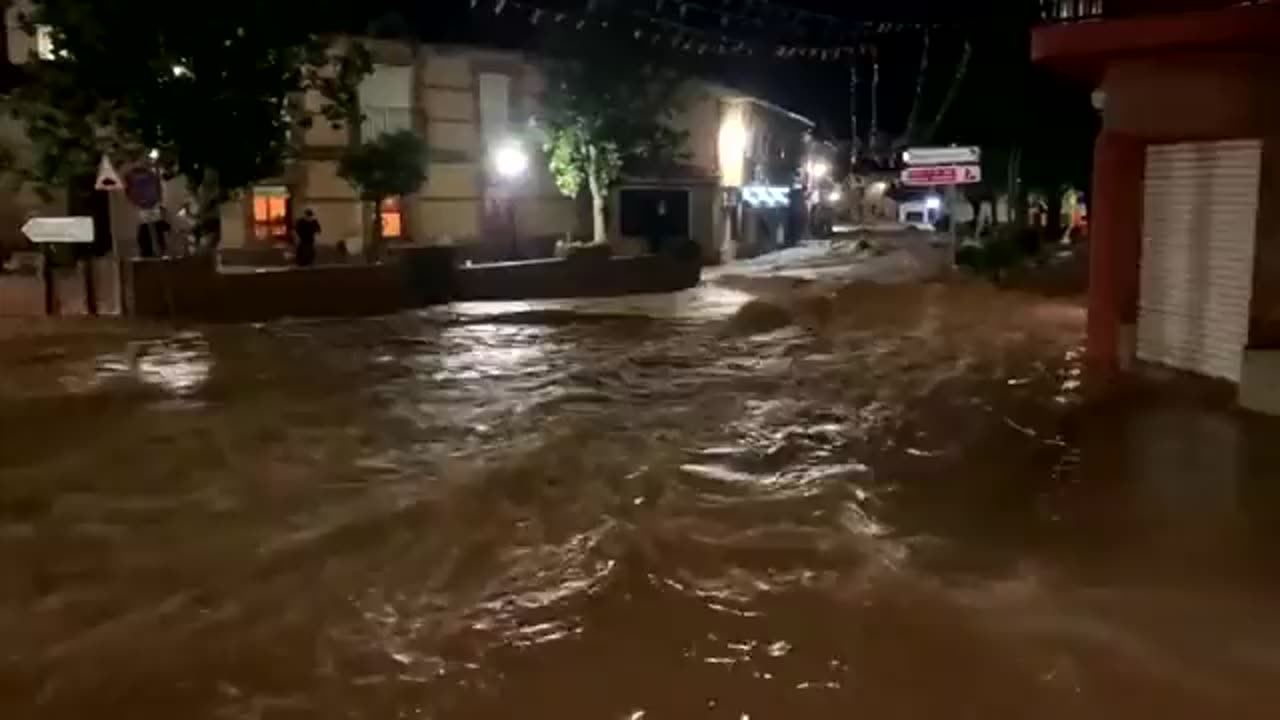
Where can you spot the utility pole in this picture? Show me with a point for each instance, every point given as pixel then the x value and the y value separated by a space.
pixel 873 138
pixel 853 114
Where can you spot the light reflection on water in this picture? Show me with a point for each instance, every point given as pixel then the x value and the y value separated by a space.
pixel 893 500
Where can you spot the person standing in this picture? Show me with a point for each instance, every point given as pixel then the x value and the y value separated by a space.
pixel 307 229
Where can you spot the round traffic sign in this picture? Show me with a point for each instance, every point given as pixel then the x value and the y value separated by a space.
pixel 142 187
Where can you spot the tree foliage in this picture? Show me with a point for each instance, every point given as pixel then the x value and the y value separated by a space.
pixel 607 111
pixel 391 165
pixel 216 93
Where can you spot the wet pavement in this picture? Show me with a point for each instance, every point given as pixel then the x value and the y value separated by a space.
pixel 845 501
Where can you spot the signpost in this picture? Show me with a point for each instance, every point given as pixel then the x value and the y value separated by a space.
pixel 942 155
pixel 949 167
pixel 108 178
pixel 50 231
pixel 934 175
pixel 142 187
pixel 59 230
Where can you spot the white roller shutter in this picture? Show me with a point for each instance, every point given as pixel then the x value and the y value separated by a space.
pixel 1199 225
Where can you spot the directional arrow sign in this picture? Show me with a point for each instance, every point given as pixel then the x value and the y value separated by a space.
pixel 942 155
pixel 942 175
pixel 59 230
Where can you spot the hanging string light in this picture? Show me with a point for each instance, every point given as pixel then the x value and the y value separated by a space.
pixel 851 36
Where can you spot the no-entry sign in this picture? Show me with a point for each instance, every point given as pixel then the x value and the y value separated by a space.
pixel 942 175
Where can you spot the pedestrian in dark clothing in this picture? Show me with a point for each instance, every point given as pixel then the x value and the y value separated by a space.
pixel 307 229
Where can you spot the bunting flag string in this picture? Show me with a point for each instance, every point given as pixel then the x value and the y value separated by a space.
pixel 677 30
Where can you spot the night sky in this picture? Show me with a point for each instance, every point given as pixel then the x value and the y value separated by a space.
pixel 819 90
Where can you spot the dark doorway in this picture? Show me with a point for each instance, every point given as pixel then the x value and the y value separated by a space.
pixel 658 215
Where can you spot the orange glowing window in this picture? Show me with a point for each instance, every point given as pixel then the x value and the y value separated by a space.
pixel 271 214
pixel 392 221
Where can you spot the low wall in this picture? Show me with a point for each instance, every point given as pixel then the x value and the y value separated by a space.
pixel 194 289
pixel 493 250
pixel 577 277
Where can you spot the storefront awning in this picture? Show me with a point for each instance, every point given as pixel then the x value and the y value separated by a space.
pixel 766 196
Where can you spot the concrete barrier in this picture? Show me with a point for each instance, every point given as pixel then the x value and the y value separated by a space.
pixel 577 276
pixel 195 289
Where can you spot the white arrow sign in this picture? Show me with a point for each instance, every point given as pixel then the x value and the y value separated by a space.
pixel 942 155
pixel 59 230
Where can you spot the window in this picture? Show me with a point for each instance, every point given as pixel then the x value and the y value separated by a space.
pixel 381 120
pixel 392 219
pixel 271 214
pixel 495 105
pixel 385 100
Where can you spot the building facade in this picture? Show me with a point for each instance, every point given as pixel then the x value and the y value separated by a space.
pixel 742 188
pixel 466 103
pixel 1185 219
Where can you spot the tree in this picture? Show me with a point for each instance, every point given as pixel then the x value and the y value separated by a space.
pixel 391 165
pixel 1036 128
pixel 953 90
pixel 213 98
pixel 607 110
pixel 913 118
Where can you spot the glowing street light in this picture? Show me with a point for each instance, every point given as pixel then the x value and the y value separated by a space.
pixel 733 144
pixel 510 160
pixel 835 197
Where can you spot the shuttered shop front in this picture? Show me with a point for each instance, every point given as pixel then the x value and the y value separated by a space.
pixel 1200 207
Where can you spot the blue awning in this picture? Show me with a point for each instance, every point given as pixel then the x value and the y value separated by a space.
pixel 766 196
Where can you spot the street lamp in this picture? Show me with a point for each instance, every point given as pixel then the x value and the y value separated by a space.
pixel 510 160
pixel 510 163
pixel 819 169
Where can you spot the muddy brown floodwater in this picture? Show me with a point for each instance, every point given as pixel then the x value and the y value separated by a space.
pixel 883 503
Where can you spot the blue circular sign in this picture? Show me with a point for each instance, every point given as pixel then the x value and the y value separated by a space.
pixel 142 187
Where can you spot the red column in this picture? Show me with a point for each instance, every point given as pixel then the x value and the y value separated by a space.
pixel 1115 248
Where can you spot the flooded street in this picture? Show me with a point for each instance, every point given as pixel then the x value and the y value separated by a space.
pixel 877 502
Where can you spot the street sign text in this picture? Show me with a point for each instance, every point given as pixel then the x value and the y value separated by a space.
pixel 942 155
pixel 932 175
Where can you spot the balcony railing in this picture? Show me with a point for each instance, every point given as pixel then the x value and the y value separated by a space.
pixel 1054 11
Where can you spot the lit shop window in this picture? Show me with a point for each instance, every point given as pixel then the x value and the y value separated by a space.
pixel 392 220
pixel 271 214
